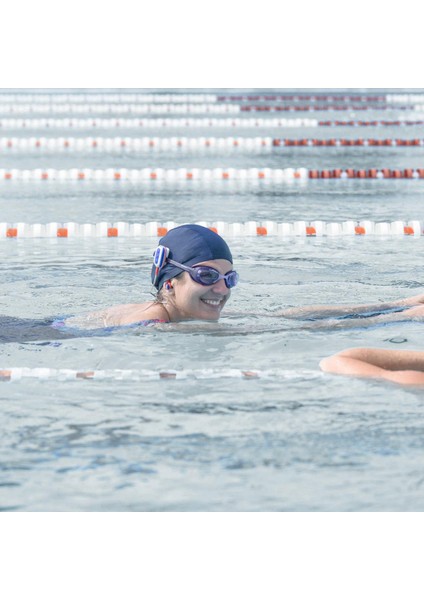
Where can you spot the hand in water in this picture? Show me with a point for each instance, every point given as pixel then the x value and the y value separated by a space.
pixel 412 300
pixel 416 312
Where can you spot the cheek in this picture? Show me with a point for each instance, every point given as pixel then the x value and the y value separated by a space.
pixel 194 301
pixel 189 296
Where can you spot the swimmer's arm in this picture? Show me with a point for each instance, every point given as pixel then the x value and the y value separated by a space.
pixel 408 315
pixel 319 311
pixel 399 366
pixel 328 311
pixel 324 311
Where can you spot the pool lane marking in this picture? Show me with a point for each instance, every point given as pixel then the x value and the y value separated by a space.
pixel 186 122
pixel 206 175
pixel 15 374
pixel 79 98
pixel 105 144
pixel 124 229
pixel 129 109
pixel 87 109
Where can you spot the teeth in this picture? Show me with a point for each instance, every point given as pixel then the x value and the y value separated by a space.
pixel 213 302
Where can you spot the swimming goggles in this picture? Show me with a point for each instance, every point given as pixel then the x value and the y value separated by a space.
pixel 208 275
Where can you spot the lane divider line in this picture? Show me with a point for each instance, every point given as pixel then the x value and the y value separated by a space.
pixel 152 122
pixel 123 229
pixel 79 98
pixel 205 175
pixel 187 122
pixel 329 107
pixel 373 123
pixel 196 108
pixel 343 142
pixel 16 374
pixel 339 98
pixel 105 144
pixel 124 109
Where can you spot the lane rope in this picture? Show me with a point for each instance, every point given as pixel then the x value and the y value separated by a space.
pixel 345 142
pixel 81 98
pixel 198 108
pixel 16 374
pixel 78 97
pixel 373 123
pixel 328 107
pixel 205 175
pixel 105 144
pixel 124 229
pixel 206 122
pixel 108 123
pixel 340 98
pixel 405 97
pixel 123 109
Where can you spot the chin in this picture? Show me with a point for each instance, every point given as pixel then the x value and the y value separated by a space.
pixel 211 314
pixel 210 318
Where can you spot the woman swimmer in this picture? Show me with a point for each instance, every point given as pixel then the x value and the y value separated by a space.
pixel 193 274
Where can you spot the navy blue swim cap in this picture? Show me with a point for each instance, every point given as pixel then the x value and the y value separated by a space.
pixel 189 245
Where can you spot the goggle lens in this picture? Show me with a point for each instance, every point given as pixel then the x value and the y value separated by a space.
pixel 232 279
pixel 209 276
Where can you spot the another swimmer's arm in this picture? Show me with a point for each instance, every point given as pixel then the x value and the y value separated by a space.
pixel 399 366
pixel 408 315
pixel 319 311
pixel 327 311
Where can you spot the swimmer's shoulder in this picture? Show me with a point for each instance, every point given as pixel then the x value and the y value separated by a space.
pixel 126 314
pixel 122 314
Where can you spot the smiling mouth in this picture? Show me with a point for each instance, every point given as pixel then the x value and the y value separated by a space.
pixel 212 302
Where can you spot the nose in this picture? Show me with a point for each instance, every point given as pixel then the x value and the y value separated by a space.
pixel 220 288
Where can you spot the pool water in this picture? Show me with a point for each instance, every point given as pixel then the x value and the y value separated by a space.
pixel 298 440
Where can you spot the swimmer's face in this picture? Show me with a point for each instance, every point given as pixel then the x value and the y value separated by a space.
pixel 191 300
